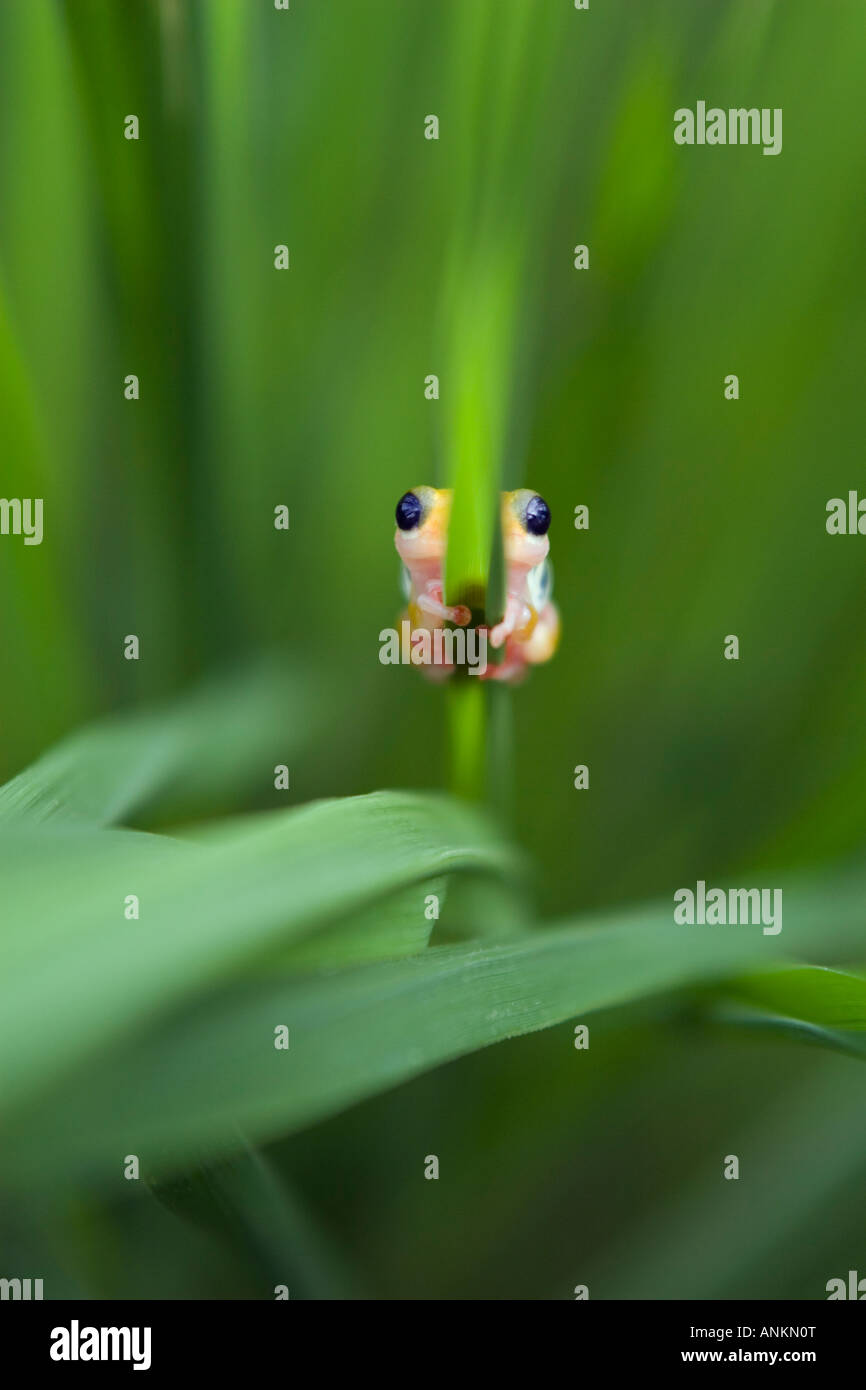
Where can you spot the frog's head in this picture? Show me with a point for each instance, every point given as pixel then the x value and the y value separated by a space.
pixel 422 526
pixel 525 519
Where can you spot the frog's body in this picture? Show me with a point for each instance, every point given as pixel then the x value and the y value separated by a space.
pixel 529 629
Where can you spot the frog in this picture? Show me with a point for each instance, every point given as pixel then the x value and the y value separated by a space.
pixel 529 628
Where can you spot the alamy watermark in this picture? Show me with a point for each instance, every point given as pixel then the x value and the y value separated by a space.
pixel 736 907
pixel 855 1287
pixel 846 516
pixel 22 516
pixel 736 126
pixel 439 646
pixel 23 1289
pixel 77 1343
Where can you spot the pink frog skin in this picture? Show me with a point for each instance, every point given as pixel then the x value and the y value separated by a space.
pixel 529 630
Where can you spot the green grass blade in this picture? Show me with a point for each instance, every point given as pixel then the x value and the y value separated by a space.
pixel 70 959
pixel 244 1202
pixel 809 1004
pixel 828 998
pixel 219 738
pixel 358 1031
pixel 793 1029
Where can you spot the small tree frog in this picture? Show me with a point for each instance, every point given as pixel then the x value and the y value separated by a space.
pixel 529 628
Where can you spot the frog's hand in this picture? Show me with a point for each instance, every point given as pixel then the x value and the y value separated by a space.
pixel 430 602
pixel 518 620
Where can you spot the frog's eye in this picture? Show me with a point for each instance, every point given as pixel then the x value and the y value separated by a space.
pixel 536 518
pixel 408 511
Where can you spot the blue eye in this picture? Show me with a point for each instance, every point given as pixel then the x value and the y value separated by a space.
pixel 537 518
pixel 408 511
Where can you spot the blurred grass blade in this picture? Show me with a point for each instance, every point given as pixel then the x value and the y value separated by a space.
pixel 218 739
pixel 793 1029
pixel 829 998
pixel 483 299
pixel 358 1031
pixel 70 959
pixel 467 737
pixel 395 926
pixel 807 1003
pixel 244 1202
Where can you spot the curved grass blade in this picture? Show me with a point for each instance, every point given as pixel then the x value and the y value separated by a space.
pixel 794 1029
pixel 217 738
pixel 359 1031
pixel 243 1201
pixel 808 1003
pixel 75 974
pixel 815 994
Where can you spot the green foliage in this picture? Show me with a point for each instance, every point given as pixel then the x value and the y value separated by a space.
pixel 157 1032
pixel 304 389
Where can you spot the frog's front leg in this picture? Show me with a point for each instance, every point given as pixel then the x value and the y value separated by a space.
pixel 430 601
pixel 519 618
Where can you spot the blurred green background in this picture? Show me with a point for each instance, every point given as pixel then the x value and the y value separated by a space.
pixel 306 388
